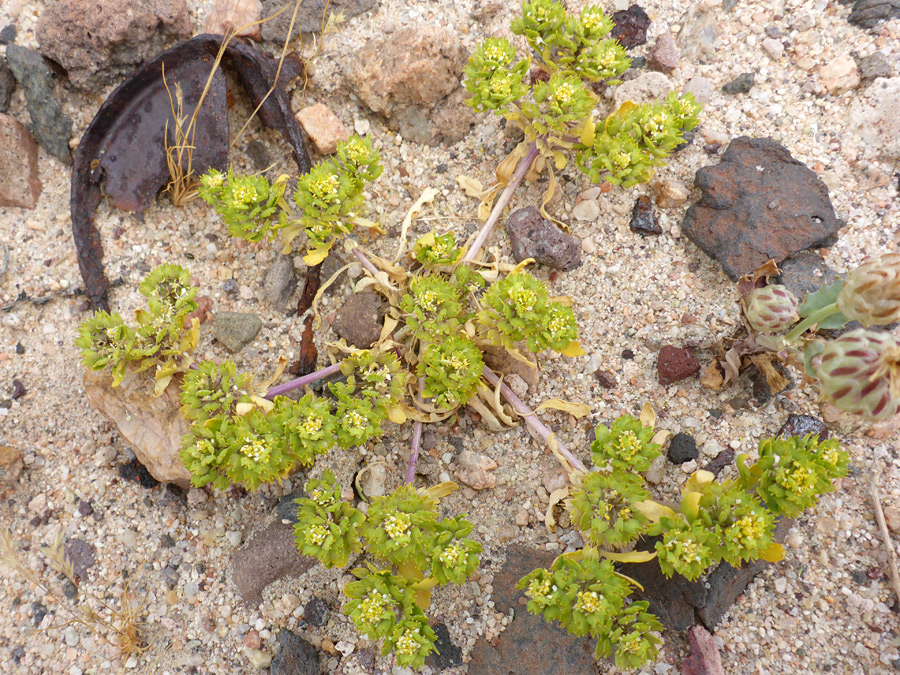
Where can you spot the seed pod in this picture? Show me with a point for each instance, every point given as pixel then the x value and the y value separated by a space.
pixel 771 309
pixel 860 373
pixel 871 292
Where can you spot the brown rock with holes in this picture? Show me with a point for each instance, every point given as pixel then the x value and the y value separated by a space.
pixel 19 182
pixel 675 364
pixel 759 203
pixel 311 16
pixel 360 319
pixel 323 127
pixel 228 16
pixel 11 464
pixel 533 236
pixel 152 425
pixel 412 78
pixel 98 41
pixel 270 555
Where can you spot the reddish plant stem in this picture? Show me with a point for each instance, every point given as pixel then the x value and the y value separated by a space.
pixel 282 389
pixel 414 452
pixel 505 197
pixel 532 420
pixel 365 262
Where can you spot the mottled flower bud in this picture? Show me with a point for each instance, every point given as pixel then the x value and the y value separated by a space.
pixel 860 373
pixel 871 292
pixel 771 309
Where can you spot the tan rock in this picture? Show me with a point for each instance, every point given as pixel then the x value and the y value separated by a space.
pixel 11 464
pixel 840 76
pixel 153 426
pixel 230 15
pixel 670 194
pixel 476 470
pixel 323 127
pixel 892 518
pixel 19 183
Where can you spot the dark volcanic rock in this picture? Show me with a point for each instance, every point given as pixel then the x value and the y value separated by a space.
pixel 867 13
pixel 682 448
pixel 136 472
pixel 8 34
pixel 759 203
pixel 631 26
pixel 741 84
pixel 296 656
pixel 287 509
pixel 720 461
pixel 800 425
pixel 805 273
pixel 643 217
pixel 448 654
pixel 529 645
pixel 309 16
pixel 316 612
pixel 7 85
pixel 82 555
pixel 675 364
pixel 873 66
pixel 270 555
pixel 359 320
pixel 49 124
pixel 532 236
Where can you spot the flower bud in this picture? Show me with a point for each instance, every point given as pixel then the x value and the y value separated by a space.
pixel 871 292
pixel 771 309
pixel 860 373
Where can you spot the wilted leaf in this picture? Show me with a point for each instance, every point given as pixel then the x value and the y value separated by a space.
pixel 648 416
pixel 579 410
pixel 773 553
pixel 712 377
pixel 574 349
pixel 427 196
pixel 555 498
pixel 630 556
pixel 776 381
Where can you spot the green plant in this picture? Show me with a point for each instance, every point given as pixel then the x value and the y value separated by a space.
pixel 554 105
pixel 162 339
pixel 415 549
pixel 858 372
pixel 732 521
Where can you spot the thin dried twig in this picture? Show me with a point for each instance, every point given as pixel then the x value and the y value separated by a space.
pixel 886 537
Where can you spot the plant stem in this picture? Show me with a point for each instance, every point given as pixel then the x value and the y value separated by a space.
pixel 532 420
pixel 811 320
pixel 365 262
pixel 303 381
pixel 414 452
pixel 505 197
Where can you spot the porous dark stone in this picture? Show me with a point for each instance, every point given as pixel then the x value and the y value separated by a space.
pixel 271 554
pixel 38 612
pixel 287 509
pixel 805 273
pixel 51 127
pixel 8 34
pixel 801 425
pixel 532 236
pixel 448 655
pixel 316 612
pixel 17 390
pixel 85 509
pixel 309 16
pixel 359 320
pixel 872 66
pixel 605 379
pixel 7 85
pixel 868 13
pixel 82 555
pixel 741 84
pixel 643 217
pixel 682 448
pixel 295 656
pixel 280 282
pixel 70 590
pixel 235 330
pixel 136 472
pixel 675 364
pixel 631 26
pixel 529 645
pixel 759 203
pixel 720 461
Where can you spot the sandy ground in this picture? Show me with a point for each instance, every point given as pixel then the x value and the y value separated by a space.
pixel 813 613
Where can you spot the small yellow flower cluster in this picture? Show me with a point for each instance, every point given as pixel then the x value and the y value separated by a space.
pixel 407 643
pixel 325 186
pixel 373 605
pixel 564 94
pixel 629 445
pixel 691 551
pixel 556 324
pixel 539 588
pixel 452 555
pixel 356 150
pixel 457 362
pixel 397 526
pixel 801 480
pixel 245 194
pixel 356 420
pixel 494 52
pixel 428 301
pixel 316 535
pixel 750 529
pixel 322 497
pixel 257 450
pixel 588 602
pixel 312 425
pixel 524 299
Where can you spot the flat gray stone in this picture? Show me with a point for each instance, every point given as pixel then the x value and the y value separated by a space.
pixel 270 555
pixel 235 330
